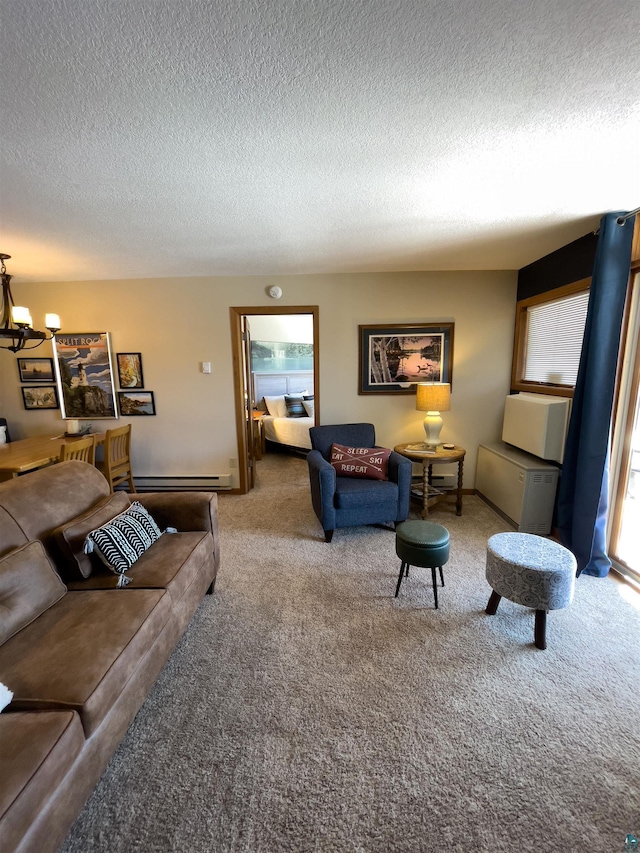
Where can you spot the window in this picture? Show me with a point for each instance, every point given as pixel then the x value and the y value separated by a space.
pixel 548 339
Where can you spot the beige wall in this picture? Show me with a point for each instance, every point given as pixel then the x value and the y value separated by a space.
pixel 178 323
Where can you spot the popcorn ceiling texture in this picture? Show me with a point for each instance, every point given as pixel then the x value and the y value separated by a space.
pixel 145 138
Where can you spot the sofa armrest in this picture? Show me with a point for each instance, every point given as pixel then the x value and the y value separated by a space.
pixel 186 511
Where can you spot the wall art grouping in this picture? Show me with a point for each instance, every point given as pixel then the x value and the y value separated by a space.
pixel 138 402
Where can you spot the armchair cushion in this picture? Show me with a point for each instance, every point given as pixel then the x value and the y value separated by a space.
pixel 354 493
pixel 370 463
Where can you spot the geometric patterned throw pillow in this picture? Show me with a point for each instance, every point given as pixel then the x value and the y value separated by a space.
pixel 123 540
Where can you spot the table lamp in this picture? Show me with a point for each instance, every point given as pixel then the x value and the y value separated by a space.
pixel 433 398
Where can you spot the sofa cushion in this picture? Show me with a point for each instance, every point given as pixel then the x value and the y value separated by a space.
pixel 49 497
pixel 80 653
pixel 11 535
pixel 29 585
pixel 124 539
pixel 37 749
pixel 70 537
pixel 171 563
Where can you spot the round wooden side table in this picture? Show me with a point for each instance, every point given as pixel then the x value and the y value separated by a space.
pixel 428 459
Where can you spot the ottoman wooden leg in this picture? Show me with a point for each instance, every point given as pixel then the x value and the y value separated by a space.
pixel 435 585
pixel 494 601
pixel 540 630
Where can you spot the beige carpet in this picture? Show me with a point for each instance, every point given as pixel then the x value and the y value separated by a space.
pixel 306 709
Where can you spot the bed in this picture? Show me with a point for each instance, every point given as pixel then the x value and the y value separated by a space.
pixel 290 432
pixel 278 424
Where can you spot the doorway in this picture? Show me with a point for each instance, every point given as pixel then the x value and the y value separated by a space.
pixel 243 385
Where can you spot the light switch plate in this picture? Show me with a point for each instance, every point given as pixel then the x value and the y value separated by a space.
pixel 206 367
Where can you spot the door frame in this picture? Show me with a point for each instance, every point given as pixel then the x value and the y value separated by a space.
pixel 236 315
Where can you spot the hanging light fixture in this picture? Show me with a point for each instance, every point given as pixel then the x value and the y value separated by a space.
pixel 15 322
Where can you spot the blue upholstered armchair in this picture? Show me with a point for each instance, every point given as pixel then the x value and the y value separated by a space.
pixel 349 501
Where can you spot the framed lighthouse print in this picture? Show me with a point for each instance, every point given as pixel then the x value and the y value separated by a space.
pixel 84 375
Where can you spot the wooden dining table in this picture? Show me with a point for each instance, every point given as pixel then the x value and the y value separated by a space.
pixel 28 454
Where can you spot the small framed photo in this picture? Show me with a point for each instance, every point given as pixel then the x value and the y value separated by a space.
pixel 394 359
pixel 136 403
pixel 40 397
pixel 130 369
pixel 36 369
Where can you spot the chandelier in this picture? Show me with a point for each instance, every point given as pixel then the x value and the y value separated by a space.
pixel 15 322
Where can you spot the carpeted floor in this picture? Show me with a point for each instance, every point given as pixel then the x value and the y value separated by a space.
pixel 306 709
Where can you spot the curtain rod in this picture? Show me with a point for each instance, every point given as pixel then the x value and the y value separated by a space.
pixel 621 219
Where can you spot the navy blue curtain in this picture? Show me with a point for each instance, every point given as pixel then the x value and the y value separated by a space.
pixel 582 494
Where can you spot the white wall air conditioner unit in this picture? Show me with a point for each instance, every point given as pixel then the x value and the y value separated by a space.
pixel 521 487
pixel 537 423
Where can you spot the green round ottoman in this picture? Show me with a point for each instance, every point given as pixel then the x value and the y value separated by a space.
pixel 424 544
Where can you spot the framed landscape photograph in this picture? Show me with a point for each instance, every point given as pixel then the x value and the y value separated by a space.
pixel 36 369
pixel 130 369
pixel 393 359
pixel 136 403
pixel 84 375
pixel 40 397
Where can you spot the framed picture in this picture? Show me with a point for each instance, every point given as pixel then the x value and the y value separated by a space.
pixel 40 397
pixel 84 375
pixel 136 403
pixel 393 359
pixel 130 369
pixel 36 369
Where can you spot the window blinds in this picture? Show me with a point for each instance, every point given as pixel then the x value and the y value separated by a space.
pixel 554 340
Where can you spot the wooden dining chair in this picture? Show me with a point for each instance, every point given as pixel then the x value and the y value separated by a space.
pixel 80 448
pixel 117 462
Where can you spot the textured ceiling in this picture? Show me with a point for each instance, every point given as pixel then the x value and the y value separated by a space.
pixel 145 138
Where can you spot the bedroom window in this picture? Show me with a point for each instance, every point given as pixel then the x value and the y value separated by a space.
pixel 548 339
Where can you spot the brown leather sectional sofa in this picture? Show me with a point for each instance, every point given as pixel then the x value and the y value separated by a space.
pixel 79 654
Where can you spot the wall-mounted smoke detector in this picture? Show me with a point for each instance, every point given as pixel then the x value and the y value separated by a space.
pixel 275 292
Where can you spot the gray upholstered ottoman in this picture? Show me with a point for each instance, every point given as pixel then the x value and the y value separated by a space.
pixel 531 571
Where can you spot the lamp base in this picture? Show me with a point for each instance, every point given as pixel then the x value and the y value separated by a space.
pixel 432 427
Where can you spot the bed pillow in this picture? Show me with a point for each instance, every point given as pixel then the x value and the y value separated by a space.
pixel 276 406
pixel 309 407
pixel 295 407
pixel 370 463
pixel 124 539
pixel 70 537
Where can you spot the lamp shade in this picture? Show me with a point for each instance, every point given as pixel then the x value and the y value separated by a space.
pixel 433 397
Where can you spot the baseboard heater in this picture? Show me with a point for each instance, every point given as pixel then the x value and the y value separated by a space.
pixel 184 483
